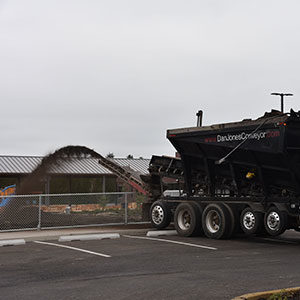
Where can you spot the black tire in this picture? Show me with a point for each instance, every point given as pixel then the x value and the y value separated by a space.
pixel 199 231
pixel 160 214
pixel 216 221
pixel 187 219
pixel 251 221
pixel 234 221
pixel 275 221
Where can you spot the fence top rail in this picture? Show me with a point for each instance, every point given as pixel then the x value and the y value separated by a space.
pixel 69 194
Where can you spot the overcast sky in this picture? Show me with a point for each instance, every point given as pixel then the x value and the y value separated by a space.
pixel 114 75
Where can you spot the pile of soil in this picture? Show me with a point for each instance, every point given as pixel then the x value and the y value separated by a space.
pixel 30 183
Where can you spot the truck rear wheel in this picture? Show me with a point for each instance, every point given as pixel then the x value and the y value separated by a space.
pixel 234 216
pixel 275 221
pixel 187 219
pixel 160 214
pixel 216 221
pixel 251 221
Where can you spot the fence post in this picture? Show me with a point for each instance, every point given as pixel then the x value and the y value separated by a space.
pixel 40 213
pixel 126 209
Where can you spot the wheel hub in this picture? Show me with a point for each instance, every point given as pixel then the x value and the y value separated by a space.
pixel 273 221
pixel 157 215
pixel 184 220
pixel 249 220
pixel 213 221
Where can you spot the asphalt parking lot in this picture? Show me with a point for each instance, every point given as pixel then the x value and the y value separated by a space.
pixel 137 267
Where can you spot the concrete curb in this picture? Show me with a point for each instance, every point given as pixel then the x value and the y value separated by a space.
pixel 161 232
pixel 54 234
pixel 266 294
pixel 88 237
pixel 15 242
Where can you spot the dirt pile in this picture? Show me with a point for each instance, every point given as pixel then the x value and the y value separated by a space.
pixel 33 181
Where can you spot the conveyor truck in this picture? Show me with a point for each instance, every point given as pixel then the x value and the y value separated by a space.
pixel 242 176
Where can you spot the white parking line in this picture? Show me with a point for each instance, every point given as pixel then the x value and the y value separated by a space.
pixel 170 241
pixel 73 248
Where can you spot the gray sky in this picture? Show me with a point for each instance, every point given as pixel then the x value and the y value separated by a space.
pixel 114 75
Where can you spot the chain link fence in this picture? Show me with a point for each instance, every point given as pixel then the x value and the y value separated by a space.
pixel 19 212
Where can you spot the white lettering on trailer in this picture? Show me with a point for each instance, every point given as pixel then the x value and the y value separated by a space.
pixel 241 136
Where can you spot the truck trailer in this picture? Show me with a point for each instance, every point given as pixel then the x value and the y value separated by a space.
pixel 234 177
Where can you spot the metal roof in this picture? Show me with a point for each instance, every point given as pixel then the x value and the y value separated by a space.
pixel 18 164
pixel 140 165
pixel 86 166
